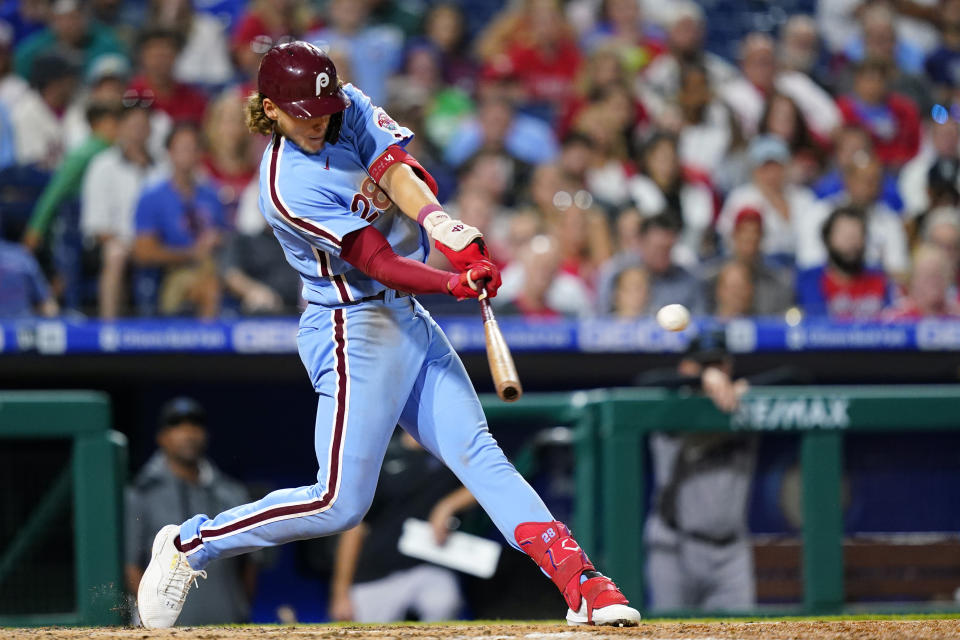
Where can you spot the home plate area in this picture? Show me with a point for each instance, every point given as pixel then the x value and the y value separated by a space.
pixel 767 630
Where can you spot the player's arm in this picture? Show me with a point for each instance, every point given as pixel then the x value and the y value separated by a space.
pixel 406 189
pixel 344 569
pixel 148 250
pixel 254 295
pixel 449 506
pixel 722 389
pixel 408 185
pixel 368 250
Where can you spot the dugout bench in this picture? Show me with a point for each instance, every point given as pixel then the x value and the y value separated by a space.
pixel 611 425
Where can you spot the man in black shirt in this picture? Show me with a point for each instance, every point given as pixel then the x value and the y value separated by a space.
pixel 372 581
pixel 176 482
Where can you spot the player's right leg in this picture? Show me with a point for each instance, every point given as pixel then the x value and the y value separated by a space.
pixel 436 593
pixel 444 415
pixel 359 365
pixel 385 600
pixel 667 579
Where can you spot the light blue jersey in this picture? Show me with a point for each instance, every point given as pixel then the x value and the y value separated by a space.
pixel 313 200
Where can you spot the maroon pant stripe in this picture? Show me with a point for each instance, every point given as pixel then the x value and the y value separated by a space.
pixel 338 281
pixel 340 418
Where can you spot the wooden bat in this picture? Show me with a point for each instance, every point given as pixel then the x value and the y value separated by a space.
pixel 504 373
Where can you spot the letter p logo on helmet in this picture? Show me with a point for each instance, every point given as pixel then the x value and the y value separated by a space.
pixel 323 81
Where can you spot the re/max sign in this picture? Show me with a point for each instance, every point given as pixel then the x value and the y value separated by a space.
pixel 792 413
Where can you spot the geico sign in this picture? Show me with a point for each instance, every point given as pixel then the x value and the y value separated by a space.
pixel 792 413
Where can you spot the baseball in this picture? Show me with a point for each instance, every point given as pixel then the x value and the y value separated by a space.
pixel 673 317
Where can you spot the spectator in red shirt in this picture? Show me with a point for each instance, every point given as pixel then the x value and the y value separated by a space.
pixel 231 158
pixel 844 288
pixel 542 54
pixel 541 267
pixel 604 69
pixel 941 228
pixel 158 50
pixel 891 118
pixel 266 23
pixel 733 291
pixel 445 30
pixel 930 284
pixel 582 234
pixel 622 25
pixel 631 293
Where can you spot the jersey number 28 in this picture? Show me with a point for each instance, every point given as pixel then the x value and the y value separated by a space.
pixel 370 191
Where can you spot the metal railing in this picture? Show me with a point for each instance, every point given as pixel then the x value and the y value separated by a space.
pixel 93 480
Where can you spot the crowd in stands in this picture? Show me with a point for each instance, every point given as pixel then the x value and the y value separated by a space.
pixel 614 163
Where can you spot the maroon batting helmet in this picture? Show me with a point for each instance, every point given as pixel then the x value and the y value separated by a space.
pixel 302 80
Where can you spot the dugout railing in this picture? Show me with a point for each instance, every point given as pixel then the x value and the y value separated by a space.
pixel 83 492
pixel 610 431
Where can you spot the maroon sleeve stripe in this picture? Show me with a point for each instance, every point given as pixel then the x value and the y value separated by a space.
pixel 300 223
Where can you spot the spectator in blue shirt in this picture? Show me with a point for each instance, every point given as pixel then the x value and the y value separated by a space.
pixel 844 288
pixel 374 51
pixel 178 225
pixel 669 283
pixel 8 149
pixel 943 63
pixel 23 288
pixel 850 141
pixel 498 127
pixel 878 38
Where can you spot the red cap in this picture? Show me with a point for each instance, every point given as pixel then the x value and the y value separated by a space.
pixel 301 80
pixel 748 214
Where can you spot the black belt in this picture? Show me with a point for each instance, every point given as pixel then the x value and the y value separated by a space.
pixel 716 541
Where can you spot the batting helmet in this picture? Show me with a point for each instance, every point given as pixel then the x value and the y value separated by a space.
pixel 302 80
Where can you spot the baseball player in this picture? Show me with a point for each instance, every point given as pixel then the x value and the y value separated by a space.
pixel 355 215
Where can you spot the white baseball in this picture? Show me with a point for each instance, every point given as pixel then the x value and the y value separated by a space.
pixel 673 317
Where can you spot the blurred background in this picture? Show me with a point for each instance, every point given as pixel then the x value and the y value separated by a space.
pixel 789 171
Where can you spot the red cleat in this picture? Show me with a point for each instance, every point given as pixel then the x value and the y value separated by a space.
pixel 592 597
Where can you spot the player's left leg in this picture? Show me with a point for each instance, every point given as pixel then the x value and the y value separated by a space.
pixel 443 413
pixel 730 584
pixel 385 600
pixel 359 362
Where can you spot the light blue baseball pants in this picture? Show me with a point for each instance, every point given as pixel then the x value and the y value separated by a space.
pixel 374 365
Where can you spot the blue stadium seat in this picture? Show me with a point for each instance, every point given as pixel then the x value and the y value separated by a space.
pixel 728 21
pixel 20 188
pixel 146 290
pixel 66 242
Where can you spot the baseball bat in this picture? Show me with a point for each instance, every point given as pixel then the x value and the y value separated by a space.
pixel 504 373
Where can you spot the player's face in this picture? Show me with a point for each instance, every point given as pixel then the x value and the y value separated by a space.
pixel 308 133
pixel 184 442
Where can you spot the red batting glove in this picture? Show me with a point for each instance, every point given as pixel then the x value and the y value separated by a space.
pixel 471 281
pixel 494 282
pixel 473 253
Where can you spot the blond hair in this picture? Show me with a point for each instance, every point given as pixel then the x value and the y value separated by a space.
pixel 257 120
